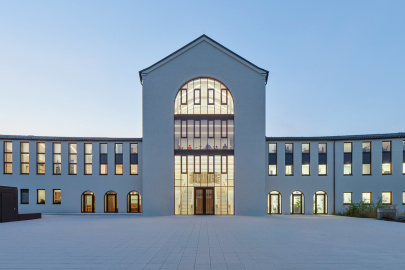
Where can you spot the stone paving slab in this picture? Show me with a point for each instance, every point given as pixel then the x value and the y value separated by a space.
pixel 201 242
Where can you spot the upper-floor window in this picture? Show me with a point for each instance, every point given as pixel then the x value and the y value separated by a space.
pixel 40 158
pixel 322 159
pixel 118 158
pixel 305 158
pixel 386 157
pixel 25 158
pixel 72 158
pixel 133 159
pixel 347 158
pixel 289 159
pixel 272 159
pixel 366 150
pixel 103 159
pixel 8 157
pixel 203 96
pixel 57 158
pixel 88 158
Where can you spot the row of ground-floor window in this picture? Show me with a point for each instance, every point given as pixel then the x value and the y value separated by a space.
pixel 320 201
pixel 88 200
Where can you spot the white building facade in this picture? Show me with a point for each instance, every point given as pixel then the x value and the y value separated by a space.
pixel 203 152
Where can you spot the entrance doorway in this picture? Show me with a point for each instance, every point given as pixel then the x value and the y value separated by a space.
pixel 297 202
pixel 320 202
pixel 111 204
pixel 204 201
pixel 88 202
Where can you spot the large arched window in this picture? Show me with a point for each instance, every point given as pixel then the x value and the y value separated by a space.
pixel 274 203
pixel 320 202
pixel 203 96
pixel 134 202
pixel 88 201
pixel 297 202
pixel 111 202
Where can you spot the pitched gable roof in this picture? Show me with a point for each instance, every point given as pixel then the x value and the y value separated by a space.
pixel 196 41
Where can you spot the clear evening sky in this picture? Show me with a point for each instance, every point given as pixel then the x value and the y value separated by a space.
pixel 70 68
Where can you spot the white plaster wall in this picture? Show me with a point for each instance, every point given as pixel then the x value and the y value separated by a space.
pixel 159 90
pixel 72 186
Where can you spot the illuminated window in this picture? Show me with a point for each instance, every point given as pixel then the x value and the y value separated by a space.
pixel 197 164
pixel 57 196
pixel 347 197
pixel 272 159
pixel 289 160
pixel 57 158
pixel 366 197
pixel 347 158
pixel 40 196
pixel 320 202
pixel 88 158
pixel 40 158
pixel 88 199
pixel 386 157
pixel 274 203
pixel 386 197
pixel 25 199
pixel 224 167
pixel 118 158
pixel 134 202
pixel 103 159
pixel 297 203
pixel 366 149
pixel 197 97
pixel 134 158
pixel 322 159
pixel 211 96
pixel 72 158
pixel 25 158
pixel 8 157
pixel 305 159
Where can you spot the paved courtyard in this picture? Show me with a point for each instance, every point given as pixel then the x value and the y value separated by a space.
pixel 201 242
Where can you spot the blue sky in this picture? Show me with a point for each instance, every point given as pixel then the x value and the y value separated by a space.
pixel 70 68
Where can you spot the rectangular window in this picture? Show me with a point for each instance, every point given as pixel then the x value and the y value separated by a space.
pixel 272 159
pixel 57 158
pixel 40 158
pixel 134 158
pixel 366 150
pixel 118 159
pixel 88 158
pixel 224 129
pixel 24 198
pixel 347 197
pixel 184 128
pixel 183 96
pixel 366 197
pixel 197 164
pixel 210 96
pixel 197 97
pixel 305 159
pixel 72 158
pixel 289 160
pixel 322 159
pixel 25 158
pixel 347 158
pixel 40 196
pixel 197 129
pixel 103 159
pixel 224 97
pixel 183 164
pixel 211 164
pixel 56 196
pixel 224 164
pixel 386 157
pixel 8 157
pixel 210 128
pixel 386 197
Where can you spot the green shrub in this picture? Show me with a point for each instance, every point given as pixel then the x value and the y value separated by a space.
pixel 363 210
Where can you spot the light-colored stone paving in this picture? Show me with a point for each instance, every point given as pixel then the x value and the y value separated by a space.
pixel 201 242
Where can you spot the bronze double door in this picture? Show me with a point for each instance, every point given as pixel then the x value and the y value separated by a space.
pixel 203 201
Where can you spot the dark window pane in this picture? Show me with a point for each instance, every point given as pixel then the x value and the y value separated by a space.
pixel 366 158
pixel 118 158
pixel 134 158
pixel 288 159
pixel 386 157
pixel 103 158
pixel 347 158
pixel 272 159
pixel 322 159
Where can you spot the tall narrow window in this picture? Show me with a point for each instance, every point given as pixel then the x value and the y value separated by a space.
pixel 118 158
pixel 347 197
pixel 305 158
pixel 40 158
pixel 183 164
pixel 347 158
pixel 103 159
pixel 57 195
pixel 8 157
pixel 272 159
pixel 57 158
pixel 366 149
pixel 224 97
pixel 24 198
pixel 386 157
pixel 88 158
pixel 40 196
pixel 210 129
pixel 322 159
pixel 197 164
pixel 210 96
pixel 134 158
pixel 211 164
pixel 197 97
pixel 289 159
pixel 183 96
pixel 197 129
pixel 184 129
pixel 224 165
pixel 366 197
pixel 224 129
pixel 72 158
pixel 25 158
